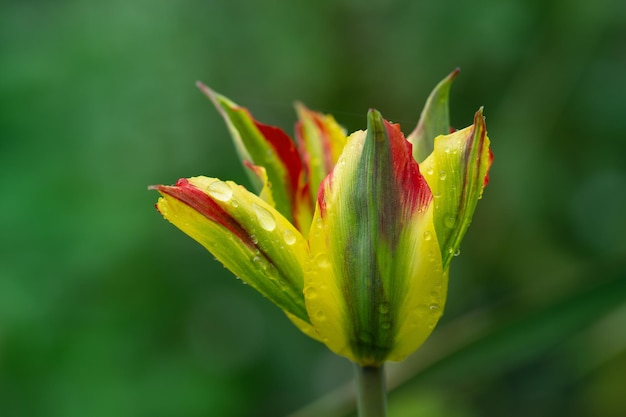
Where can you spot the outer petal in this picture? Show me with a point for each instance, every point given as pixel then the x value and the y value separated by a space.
pixel 268 147
pixel 246 234
pixel 321 141
pixel 434 120
pixel 457 172
pixel 374 287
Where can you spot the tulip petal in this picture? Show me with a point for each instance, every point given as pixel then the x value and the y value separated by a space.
pixel 375 260
pixel 265 146
pixel 245 234
pixel 320 140
pixel 457 172
pixel 434 120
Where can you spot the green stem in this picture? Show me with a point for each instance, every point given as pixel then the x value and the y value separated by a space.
pixel 370 390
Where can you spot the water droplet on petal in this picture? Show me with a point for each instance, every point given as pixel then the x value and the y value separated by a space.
pixel 310 293
pixel 265 218
pixel 442 175
pixel 428 235
pixel 220 190
pixel 289 237
pixel 322 260
pixel 383 308
pixel 449 221
pixel 234 203
pixel 430 171
pixel 434 308
pixel 457 252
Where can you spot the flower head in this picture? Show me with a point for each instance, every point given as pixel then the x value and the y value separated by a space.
pixel 351 237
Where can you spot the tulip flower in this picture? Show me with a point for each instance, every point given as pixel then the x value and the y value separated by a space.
pixel 352 237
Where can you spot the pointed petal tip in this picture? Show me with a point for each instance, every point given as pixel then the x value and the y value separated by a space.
pixel 303 111
pixel 210 93
pixel 203 87
pixel 479 116
pixel 299 106
pixel 183 182
pixel 375 121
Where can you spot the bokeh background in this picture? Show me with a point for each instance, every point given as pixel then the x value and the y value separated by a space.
pixel 108 310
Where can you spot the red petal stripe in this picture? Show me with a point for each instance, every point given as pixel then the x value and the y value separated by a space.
pixel 203 204
pixel 417 194
pixel 286 150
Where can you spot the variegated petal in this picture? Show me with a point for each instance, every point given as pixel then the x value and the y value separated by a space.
pixel 247 235
pixel 457 172
pixel 321 141
pixel 266 146
pixel 375 261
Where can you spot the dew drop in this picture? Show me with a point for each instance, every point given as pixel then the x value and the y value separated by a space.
pixel 434 308
pixel 320 316
pixel 428 236
pixel 289 237
pixel 310 293
pixel 430 171
pixel 449 221
pixel 442 175
pixel 234 203
pixel 265 218
pixel 254 239
pixel 322 260
pixel 219 190
pixel 258 260
pixel 457 252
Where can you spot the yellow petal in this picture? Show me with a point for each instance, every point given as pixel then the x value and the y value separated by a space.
pixel 243 232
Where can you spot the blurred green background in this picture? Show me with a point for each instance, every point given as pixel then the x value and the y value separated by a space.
pixel 107 310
